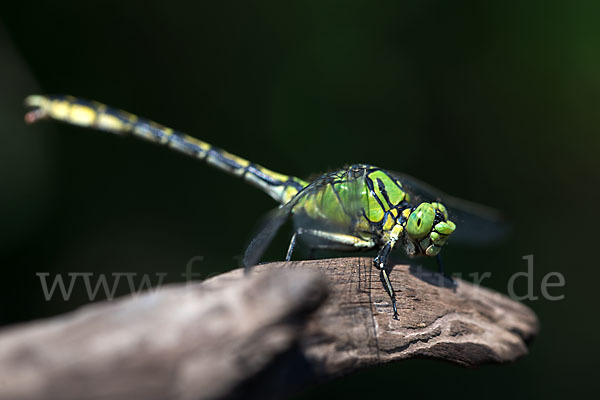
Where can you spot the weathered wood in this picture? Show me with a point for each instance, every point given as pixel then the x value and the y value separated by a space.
pixel 259 336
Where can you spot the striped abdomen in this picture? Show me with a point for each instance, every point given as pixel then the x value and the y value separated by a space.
pixel 96 115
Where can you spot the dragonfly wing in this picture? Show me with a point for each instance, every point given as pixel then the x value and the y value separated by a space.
pixel 333 203
pixel 334 194
pixel 476 224
pixel 270 226
pixel 266 232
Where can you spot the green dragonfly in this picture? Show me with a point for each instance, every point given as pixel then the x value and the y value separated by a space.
pixel 359 207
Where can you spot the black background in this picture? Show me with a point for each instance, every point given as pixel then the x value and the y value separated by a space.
pixel 496 102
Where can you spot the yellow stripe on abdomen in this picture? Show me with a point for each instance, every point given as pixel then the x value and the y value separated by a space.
pixel 99 116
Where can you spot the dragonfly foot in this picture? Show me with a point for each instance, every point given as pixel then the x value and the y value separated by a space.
pixel 449 282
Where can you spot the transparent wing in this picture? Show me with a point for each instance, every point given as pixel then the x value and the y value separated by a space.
pixel 270 226
pixel 336 198
pixel 475 223
pixel 267 230
pixel 354 179
pixel 340 198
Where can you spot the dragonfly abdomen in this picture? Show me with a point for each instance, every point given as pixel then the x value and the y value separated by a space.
pixel 96 115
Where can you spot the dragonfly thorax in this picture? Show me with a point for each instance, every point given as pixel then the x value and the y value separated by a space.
pixel 427 229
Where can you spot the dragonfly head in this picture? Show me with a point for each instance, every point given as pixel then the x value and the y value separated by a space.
pixel 428 228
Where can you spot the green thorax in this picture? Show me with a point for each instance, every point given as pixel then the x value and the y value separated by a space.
pixel 361 200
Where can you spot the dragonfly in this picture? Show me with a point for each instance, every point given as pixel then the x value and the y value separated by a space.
pixel 356 208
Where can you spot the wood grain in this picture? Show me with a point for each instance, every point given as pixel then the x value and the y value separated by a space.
pixel 285 326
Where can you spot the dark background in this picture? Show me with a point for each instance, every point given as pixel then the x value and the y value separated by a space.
pixel 496 102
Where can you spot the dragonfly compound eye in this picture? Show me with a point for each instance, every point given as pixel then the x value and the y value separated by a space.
pixel 420 221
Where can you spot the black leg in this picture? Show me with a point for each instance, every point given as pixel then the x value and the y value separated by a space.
pixel 442 275
pixel 381 259
pixel 383 275
pixel 440 264
pixel 380 262
pixel 288 256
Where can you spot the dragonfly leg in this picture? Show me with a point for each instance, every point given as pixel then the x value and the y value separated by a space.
pixel 340 238
pixel 380 263
pixel 440 264
pixel 343 242
pixel 443 275
pixel 383 276
pixel 288 256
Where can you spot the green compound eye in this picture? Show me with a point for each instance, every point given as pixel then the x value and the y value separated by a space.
pixel 420 221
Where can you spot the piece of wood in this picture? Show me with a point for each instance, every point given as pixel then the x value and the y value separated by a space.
pixel 259 336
